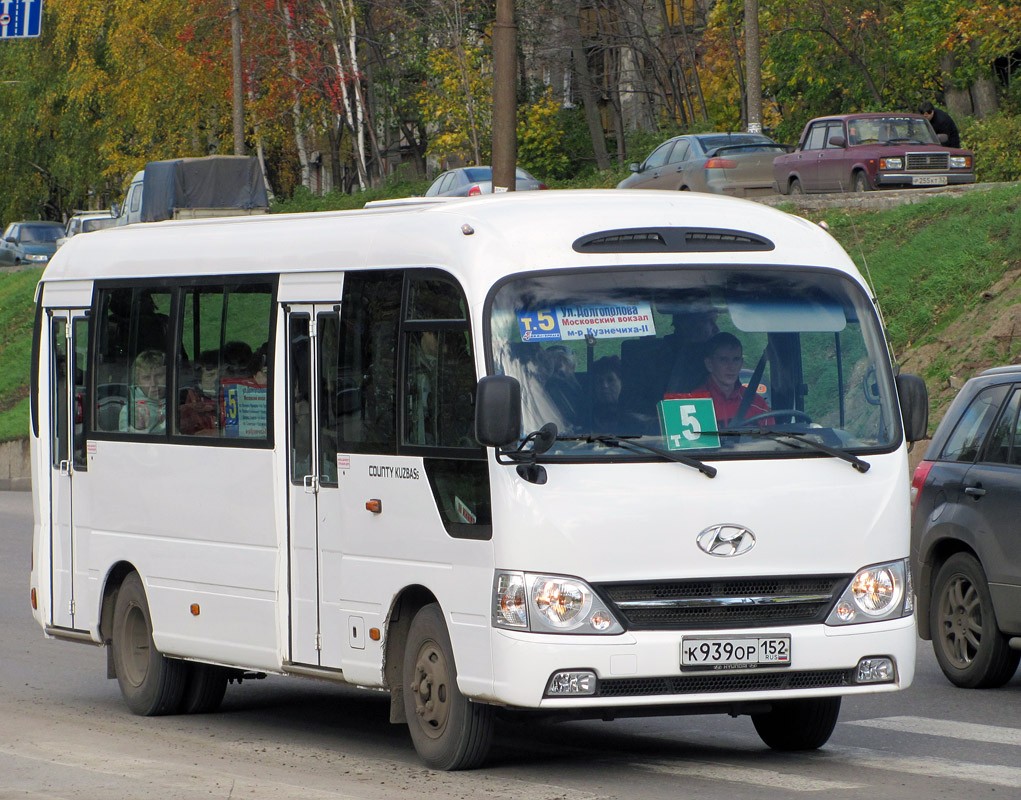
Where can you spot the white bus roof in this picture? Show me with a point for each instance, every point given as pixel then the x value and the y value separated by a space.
pixel 485 238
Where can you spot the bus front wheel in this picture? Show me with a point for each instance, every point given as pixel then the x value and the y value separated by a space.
pixel 448 730
pixel 151 683
pixel 804 724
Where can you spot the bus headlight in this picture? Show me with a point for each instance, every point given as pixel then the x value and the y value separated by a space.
pixel 882 591
pixel 554 604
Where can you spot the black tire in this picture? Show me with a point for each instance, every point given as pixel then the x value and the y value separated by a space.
pixel 795 187
pixel 804 724
pixel 204 689
pixel 969 647
pixel 860 182
pixel 151 683
pixel 449 731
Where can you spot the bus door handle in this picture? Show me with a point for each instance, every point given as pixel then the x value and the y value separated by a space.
pixel 974 491
pixel 311 484
pixel 65 468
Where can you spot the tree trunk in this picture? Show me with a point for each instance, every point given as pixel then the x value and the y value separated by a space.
pixel 588 94
pixel 958 101
pixel 753 62
pixel 299 124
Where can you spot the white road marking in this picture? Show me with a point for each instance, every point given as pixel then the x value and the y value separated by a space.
pixel 947 728
pixel 966 771
pixel 750 775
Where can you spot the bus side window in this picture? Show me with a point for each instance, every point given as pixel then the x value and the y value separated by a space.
pixel 133 328
pixel 439 403
pixel 367 369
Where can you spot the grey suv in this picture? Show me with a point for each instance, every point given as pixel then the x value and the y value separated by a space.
pixel 965 533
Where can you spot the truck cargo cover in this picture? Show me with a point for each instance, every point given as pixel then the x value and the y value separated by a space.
pixel 209 182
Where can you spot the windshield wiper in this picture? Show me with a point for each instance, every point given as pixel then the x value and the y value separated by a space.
pixel 627 443
pixel 777 435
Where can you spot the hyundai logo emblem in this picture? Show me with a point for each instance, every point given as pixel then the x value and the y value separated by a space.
pixel 726 540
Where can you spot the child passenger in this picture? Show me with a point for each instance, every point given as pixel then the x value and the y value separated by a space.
pixel 146 412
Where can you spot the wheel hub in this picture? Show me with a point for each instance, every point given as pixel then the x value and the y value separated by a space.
pixel 429 687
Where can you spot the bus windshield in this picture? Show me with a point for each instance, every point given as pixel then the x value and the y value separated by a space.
pixel 664 358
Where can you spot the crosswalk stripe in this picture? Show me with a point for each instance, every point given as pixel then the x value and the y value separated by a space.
pixel 947 728
pixel 967 771
pixel 750 775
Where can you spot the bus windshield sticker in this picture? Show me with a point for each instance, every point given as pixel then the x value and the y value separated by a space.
pixel 682 423
pixel 610 321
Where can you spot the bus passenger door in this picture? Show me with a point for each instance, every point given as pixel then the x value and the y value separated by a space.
pixel 68 342
pixel 312 352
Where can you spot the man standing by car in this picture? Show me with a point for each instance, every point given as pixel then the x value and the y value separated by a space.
pixel 942 122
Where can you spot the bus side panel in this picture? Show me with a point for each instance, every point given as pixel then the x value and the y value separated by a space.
pixel 40 460
pixel 199 524
pixel 406 545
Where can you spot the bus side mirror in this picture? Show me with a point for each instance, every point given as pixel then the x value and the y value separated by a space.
pixel 914 406
pixel 498 411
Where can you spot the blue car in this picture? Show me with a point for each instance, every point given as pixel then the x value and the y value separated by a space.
pixel 29 243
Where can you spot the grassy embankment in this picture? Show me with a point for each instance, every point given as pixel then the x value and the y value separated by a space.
pixel 946 272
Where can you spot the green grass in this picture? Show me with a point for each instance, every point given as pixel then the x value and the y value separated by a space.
pixel 16 314
pixel 930 262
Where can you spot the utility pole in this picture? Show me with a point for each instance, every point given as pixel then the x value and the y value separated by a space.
pixel 505 143
pixel 753 65
pixel 238 99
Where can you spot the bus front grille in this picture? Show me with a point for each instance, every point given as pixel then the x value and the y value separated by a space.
pixel 729 682
pixel 722 604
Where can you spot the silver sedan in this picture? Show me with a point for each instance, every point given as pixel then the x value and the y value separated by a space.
pixel 470 181
pixel 738 164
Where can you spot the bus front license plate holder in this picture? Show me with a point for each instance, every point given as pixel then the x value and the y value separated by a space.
pixel 738 652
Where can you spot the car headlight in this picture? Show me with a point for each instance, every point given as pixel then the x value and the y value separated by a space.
pixel 879 592
pixel 36 257
pixel 549 604
pixel 960 162
pixel 891 163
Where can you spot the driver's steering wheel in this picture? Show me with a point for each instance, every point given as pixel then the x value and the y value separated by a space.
pixel 783 412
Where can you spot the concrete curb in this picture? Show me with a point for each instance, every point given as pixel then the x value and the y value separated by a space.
pixel 871 201
pixel 15 466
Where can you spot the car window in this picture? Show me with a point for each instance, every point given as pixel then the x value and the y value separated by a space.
pixel 680 152
pixel 834 129
pixel 41 234
pixel 965 441
pixel 478 174
pixel 659 156
pixel 434 189
pixel 816 139
pixel 1004 445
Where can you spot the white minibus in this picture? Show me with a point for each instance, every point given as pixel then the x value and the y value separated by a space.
pixel 588 454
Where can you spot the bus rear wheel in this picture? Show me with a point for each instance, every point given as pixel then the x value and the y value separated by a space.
pixel 151 683
pixel 448 730
pixel 804 724
pixel 204 689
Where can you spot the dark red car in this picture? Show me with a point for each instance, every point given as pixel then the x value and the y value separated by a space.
pixel 861 152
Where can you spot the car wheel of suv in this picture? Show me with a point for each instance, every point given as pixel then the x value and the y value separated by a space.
pixel 795 187
pixel 969 647
pixel 860 182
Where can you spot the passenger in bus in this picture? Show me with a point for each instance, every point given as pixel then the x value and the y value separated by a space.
pixel 652 366
pixel 146 411
pixel 200 413
pixel 562 385
pixel 606 384
pixel 724 360
pixel 237 359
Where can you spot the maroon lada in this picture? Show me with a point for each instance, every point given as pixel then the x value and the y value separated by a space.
pixel 862 152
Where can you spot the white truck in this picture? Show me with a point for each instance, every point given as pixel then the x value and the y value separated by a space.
pixel 187 188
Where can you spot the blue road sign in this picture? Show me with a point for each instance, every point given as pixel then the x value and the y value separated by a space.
pixel 20 19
